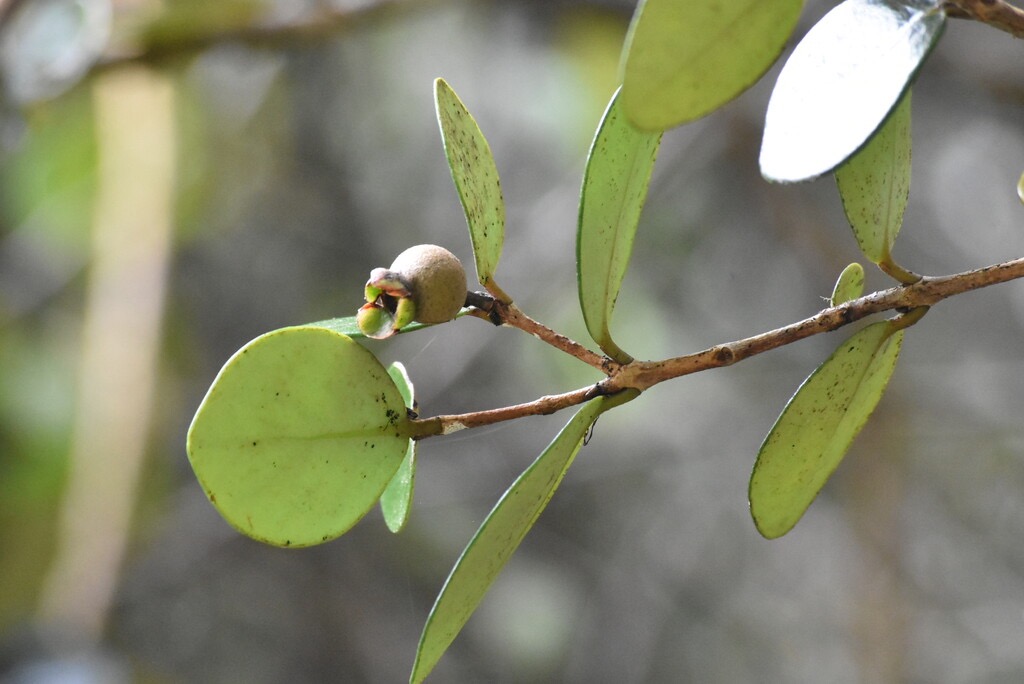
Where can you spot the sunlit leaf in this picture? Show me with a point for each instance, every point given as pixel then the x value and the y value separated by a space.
pixel 849 286
pixel 396 501
pixel 298 436
pixel 1020 188
pixel 614 188
pixel 818 426
pixel 842 81
pixel 476 179
pixel 500 535
pixel 874 185
pixel 686 58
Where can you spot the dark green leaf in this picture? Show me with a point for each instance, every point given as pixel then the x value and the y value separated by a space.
pixel 298 436
pixel 500 535
pixel 686 59
pixel 874 185
pixel 842 81
pixel 476 179
pixel 614 189
pixel 818 425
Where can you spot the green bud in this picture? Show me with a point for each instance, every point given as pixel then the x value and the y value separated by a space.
pixel 405 313
pixel 375 321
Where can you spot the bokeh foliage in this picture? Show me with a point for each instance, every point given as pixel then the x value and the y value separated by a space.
pixel 301 167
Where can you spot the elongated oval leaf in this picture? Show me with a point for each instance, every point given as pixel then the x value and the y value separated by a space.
pixel 500 535
pixel 685 59
pixel 819 423
pixel 849 285
pixel 476 179
pixel 348 326
pixel 298 436
pixel 842 81
pixel 614 189
pixel 1020 188
pixel 396 501
pixel 874 185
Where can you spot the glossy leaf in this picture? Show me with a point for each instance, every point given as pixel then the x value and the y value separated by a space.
pixel 685 59
pixel 874 185
pixel 1020 188
pixel 298 436
pixel 849 286
pixel 500 535
pixel 818 426
pixel 476 179
pixel 614 188
pixel 396 501
pixel 842 81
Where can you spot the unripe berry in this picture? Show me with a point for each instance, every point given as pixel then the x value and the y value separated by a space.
pixel 436 282
pixel 426 283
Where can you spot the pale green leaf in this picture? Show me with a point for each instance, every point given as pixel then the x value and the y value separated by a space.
pixel 874 185
pixel 842 81
pixel 500 535
pixel 1020 188
pixel 614 189
pixel 396 501
pixel 686 58
pixel 818 425
pixel 476 179
pixel 849 285
pixel 298 436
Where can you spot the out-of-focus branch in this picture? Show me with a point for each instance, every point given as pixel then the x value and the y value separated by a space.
pixel 316 25
pixel 995 13
pixel 129 261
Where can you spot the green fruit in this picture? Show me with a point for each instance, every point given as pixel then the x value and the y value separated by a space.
pixel 436 282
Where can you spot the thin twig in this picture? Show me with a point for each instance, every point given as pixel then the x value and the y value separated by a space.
pixel 641 375
pixel 445 425
pixel 501 313
pixel 995 13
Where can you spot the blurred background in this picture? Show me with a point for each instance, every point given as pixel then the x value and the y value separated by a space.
pixel 178 178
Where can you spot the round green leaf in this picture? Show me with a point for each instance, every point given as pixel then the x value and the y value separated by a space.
pixel 615 185
pixel 476 179
pixel 396 501
pixel 500 535
pixel 874 185
pixel 298 436
pixel 685 59
pixel 849 285
pixel 818 425
pixel 842 81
